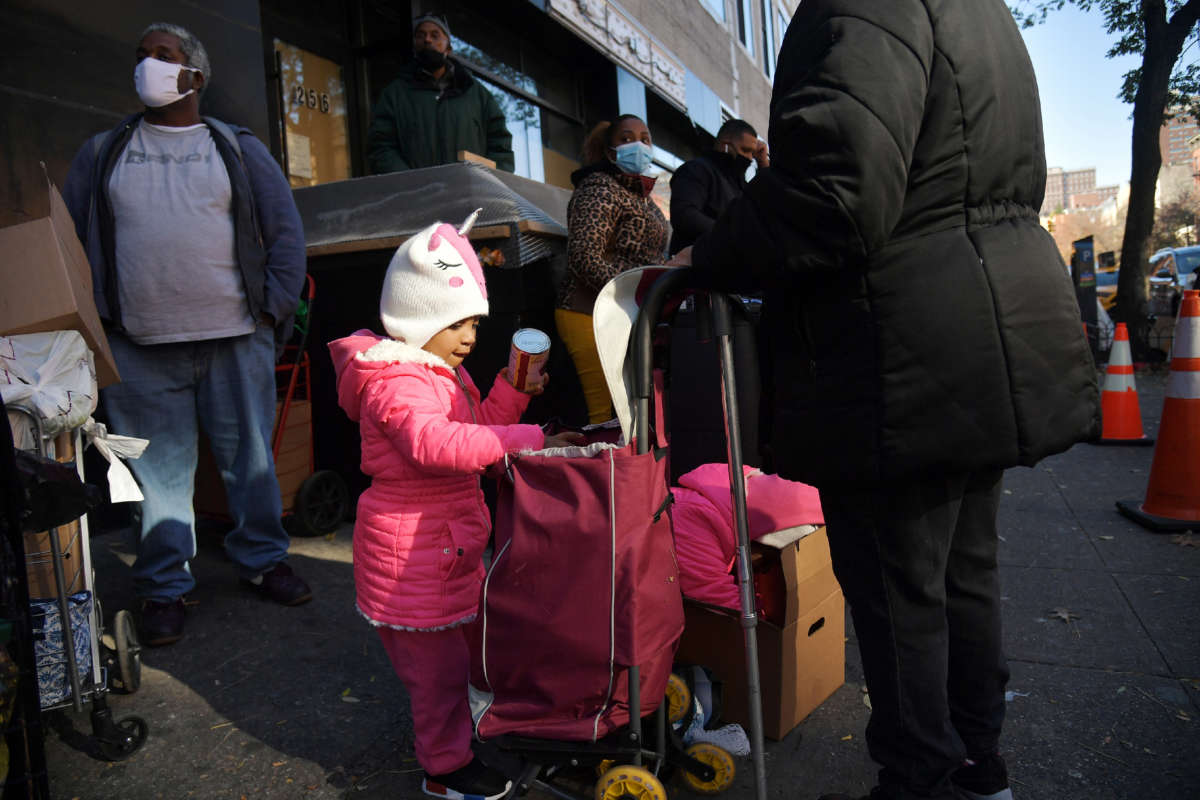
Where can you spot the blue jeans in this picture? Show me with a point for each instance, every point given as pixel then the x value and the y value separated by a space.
pixel 917 562
pixel 167 393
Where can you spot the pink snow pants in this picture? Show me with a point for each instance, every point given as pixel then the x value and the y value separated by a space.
pixel 435 667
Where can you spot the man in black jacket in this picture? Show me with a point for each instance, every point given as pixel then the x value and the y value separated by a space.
pixel 922 336
pixel 704 186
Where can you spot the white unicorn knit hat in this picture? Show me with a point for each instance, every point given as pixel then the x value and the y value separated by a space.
pixel 433 281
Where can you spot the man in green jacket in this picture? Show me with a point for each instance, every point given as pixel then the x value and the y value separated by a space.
pixel 434 109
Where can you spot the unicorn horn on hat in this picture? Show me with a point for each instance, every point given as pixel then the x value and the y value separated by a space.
pixel 470 223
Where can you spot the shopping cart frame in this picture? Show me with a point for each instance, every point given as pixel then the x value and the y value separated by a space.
pixel 672 283
pixel 114 740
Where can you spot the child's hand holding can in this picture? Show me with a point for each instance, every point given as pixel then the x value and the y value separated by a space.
pixel 527 361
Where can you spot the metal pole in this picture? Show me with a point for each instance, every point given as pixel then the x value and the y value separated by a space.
pixel 635 713
pixel 723 328
pixel 89 579
pixel 675 281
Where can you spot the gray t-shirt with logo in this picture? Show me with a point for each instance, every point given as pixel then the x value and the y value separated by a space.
pixel 176 253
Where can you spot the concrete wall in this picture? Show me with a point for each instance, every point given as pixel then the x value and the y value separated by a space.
pixel 67 72
pixel 712 51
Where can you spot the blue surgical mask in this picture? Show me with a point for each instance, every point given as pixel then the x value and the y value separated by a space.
pixel 634 157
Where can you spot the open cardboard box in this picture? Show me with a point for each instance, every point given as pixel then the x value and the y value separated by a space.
pixel 46 283
pixel 801 661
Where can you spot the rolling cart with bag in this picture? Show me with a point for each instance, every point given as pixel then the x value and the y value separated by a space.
pixel 581 610
pixel 50 392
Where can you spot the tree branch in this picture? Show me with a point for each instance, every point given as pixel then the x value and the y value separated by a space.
pixel 1182 23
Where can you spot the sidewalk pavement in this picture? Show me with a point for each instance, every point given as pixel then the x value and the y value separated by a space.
pixel 1102 630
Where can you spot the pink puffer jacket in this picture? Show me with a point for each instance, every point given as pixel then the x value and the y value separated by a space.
pixel 422 525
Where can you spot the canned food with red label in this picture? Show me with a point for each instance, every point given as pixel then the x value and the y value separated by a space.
pixel 530 349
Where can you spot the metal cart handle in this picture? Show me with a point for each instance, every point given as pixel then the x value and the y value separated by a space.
pixel 673 282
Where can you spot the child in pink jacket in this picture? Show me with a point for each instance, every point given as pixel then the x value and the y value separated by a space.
pixel 422 525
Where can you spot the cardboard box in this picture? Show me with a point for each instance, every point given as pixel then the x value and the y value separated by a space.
pixel 801 661
pixel 291 468
pixel 39 562
pixel 46 283
pixel 475 158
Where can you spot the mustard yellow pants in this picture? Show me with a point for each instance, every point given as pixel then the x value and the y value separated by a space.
pixel 575 329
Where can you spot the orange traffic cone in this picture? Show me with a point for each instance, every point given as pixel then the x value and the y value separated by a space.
pixel 1119 401
pixel 1173 497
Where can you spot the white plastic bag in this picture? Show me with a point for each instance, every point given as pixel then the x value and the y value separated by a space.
pixel 51 373
pixel 122 488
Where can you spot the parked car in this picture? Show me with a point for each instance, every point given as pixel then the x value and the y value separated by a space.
pixel 1106 279
pixel 1172 270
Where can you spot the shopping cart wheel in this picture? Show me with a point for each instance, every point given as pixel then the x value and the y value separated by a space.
pixel 679 698
pixel 122 739
pixel 629 783
pixel 322 502
pixel 716 757
pixel 129 653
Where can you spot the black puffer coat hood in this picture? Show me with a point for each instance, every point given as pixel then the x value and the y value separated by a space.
pixel 917 318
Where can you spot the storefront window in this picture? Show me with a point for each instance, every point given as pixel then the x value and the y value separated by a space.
pixel 664 166
pixel 524 119
pixel 313 98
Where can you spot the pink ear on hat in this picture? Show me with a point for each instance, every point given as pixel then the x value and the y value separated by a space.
pixel 435 242
pixel 463 245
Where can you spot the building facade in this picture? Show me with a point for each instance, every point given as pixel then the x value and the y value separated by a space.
pixel 304 74
pixel 1092 197
pixel 1061 184
pixel 1174 138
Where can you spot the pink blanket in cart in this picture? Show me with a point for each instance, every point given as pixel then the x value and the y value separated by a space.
pixel 702 517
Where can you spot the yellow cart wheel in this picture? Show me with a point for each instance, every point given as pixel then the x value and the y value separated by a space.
pixel 629 783
pixel 604 766
pixel 719 759
pixel 679 698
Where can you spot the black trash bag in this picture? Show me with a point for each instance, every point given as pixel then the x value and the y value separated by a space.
pixel 52 492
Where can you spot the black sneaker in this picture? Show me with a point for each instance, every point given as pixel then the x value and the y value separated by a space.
pixel 982 778
pixel 161 623
pixel 282 585
pixel 475 781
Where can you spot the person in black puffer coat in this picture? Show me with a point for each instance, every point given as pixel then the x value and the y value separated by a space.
pixel 921 336
pixel 703 187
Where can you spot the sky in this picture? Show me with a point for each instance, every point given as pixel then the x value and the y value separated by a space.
pixel 1085 124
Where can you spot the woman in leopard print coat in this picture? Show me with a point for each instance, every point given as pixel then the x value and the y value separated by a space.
pixel 612 225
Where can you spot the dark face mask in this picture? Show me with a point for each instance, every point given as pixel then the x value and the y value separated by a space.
pixel 736 162
pixel 430 60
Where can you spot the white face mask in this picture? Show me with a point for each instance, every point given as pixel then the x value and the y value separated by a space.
pixel 157 82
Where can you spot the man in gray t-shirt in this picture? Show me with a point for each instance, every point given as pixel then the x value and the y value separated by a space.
pixel 197 256
pixel 196 293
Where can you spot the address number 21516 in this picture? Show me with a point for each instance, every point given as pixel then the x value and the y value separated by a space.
pixel 311 98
